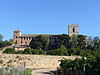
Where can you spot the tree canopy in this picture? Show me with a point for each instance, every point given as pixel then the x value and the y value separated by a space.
pixel 40 42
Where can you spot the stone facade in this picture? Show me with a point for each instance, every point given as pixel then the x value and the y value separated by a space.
pixel 32 61
pixel 73 29
pixel 23 40
pixel 20 39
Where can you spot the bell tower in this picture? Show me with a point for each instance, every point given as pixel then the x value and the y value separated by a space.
pixel 16 34
pixel 73 29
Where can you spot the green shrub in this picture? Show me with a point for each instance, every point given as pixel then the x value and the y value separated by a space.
pixel 33 51
pixel 60 51
pixel 19 52
pixel 28 51
pixel 9 51
pixel 40 51
pixel 28 72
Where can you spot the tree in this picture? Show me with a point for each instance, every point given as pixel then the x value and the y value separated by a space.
pixel 96 43
pixel 74 51
pixel 73 41
pixel 66 41
pixel 81 41
pixel 78 63
pixel 60 51
pixel 93 44
pixel 40 42
pixel 1 37
pixel 3 44
pixel 89 43
pixel 10 42
pixel 60 40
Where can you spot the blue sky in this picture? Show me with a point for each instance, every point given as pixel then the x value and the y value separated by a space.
pixel 49 16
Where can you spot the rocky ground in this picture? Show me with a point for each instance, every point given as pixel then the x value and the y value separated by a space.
pixel 42 62
pixel 32 61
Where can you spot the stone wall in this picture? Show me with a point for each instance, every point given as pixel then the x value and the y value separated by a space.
pixel 32 61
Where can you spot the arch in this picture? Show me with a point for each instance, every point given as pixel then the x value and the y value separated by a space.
pixel 73 29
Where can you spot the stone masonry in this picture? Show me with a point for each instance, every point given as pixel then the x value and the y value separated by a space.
pixel 32 61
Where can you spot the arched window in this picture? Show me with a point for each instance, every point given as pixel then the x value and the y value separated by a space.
pixel 16 42
pixel 73 29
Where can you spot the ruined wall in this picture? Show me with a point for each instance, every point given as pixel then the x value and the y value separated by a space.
pixel 32 61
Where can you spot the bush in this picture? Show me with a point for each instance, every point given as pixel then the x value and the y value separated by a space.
pixel 28 72
pixel 33 51
pixel 28 51
pixel 60 51
pixel 40 51
pixel 19 52
pixel 91 63
pixel 2 44
pixel 9 43
pixel 9 51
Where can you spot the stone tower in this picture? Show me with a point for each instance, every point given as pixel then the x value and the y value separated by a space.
pixel 16 34
pixel 73 29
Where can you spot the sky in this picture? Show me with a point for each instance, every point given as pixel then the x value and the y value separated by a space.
pixel 49 16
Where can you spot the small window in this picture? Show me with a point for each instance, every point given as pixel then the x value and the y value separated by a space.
pixel 21 37
pixel 73 29
pixel 16 37
pixel 16 41
pixel 25 42
pixel 21 41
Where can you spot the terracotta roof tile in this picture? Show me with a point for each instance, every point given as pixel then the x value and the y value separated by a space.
pixel 34 35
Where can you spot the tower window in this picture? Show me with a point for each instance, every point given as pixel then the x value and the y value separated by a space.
pixel 73 29
pixel 21 41
pixel 16 37
pixel 16 42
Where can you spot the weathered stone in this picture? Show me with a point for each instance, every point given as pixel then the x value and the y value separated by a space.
pixel 33 61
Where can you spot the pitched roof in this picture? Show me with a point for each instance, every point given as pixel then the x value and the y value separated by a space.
pixel 34 35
